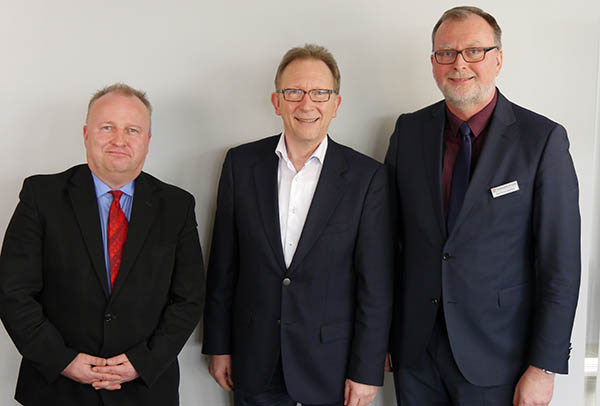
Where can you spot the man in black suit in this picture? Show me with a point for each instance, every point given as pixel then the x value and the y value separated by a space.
pixel 489 234
pixel 300 273
pixel 101 278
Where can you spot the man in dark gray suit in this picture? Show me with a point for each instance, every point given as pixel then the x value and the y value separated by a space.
pixel 300 273
pixel 489 234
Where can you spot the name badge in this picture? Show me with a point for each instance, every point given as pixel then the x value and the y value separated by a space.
pixel 505 189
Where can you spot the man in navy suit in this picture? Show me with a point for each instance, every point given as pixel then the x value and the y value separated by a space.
pixel 489 234
pixel 101 279
pixel 299 288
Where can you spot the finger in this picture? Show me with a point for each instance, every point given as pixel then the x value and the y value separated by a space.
pixel 229 379
pixel 346 393
pixel 115 386
pixel 105 384
pixel 107 377
pixel 116 360
pixel 222 381
pixel 353 399
pixel 388 364
pixel 92 360
pixel 116 369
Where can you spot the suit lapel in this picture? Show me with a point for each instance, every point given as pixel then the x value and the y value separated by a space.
pixel 328 193
pixel 433 138
pixel 498 142
pixel 265 184
pixel 143 212
pixel 85 206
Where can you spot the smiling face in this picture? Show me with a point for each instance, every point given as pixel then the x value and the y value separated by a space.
pixel 306 122
pixel 116 138
pixel 467 87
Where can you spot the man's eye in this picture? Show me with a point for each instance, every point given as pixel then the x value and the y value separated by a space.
pixel 107 127
pixel 447 53
pixel 474 51
pixel 133 131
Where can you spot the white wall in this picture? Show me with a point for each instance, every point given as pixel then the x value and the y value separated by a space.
pixel 208 68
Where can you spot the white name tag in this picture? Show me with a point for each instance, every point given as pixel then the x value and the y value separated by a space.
pixel 504 189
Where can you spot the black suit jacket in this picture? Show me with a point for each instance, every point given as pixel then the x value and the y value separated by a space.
pixel 331 322
pixel 54 300
pixel 508 274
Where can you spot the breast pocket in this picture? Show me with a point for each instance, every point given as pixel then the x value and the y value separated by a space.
pixel 498 212
pixel 335 228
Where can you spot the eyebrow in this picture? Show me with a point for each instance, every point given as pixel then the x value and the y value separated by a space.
pixel 469 45
pixel 128 125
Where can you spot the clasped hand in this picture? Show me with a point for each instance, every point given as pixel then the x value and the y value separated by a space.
pixel 101 373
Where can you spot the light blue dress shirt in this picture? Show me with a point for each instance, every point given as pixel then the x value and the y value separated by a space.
pixel 104 201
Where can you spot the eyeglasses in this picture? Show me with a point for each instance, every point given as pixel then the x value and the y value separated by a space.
pixel 470 55
pixel 316 95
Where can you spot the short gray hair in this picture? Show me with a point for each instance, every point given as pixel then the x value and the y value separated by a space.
pixel 462 12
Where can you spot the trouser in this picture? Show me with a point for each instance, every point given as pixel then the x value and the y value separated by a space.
pixel 436 380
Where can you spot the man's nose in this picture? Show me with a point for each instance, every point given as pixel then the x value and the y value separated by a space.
pixel 120 137
pixel 306 103
pixel 460 61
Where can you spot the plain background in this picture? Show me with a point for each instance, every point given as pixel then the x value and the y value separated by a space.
pixel 208 68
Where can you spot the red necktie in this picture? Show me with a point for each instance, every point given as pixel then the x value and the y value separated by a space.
pixel 116 232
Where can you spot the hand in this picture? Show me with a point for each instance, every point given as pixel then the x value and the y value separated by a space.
pixel 117 371
pixel 81 369
pixel 219 367
pixel 358 394
pixel 534 388
pixel 388 364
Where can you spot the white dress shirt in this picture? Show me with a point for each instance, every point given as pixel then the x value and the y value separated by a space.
pixel 296 190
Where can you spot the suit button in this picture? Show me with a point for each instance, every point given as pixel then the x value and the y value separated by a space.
pixel 446 256
pixel 107 317
pixel 278 321
pixel 434 301
pixel 287 281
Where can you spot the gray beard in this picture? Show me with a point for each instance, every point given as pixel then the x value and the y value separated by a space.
pixel 470 100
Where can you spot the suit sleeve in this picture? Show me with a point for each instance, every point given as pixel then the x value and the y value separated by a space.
pixel 556 229
pixel 151 357
pixel 222 269
pixel 391 163
pixel 373 261
pixel 21 282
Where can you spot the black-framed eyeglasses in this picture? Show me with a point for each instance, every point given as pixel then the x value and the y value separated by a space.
pixel 316 95
pixel 470 55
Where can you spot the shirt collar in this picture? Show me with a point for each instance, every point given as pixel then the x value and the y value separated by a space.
pixel 318 153
pixel 477 123
pixel 102 188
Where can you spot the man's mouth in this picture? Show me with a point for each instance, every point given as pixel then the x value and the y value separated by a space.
pixel 307 120
pixel 113 152
pixel 460 79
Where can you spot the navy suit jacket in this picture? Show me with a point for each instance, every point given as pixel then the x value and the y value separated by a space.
pixel 508 274
pixel 54 299
pixel 332 321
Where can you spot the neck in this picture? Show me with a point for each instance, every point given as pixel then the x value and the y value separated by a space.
pixel 299 152
pixel 113 182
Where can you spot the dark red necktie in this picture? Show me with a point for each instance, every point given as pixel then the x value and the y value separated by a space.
pixel 116 232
